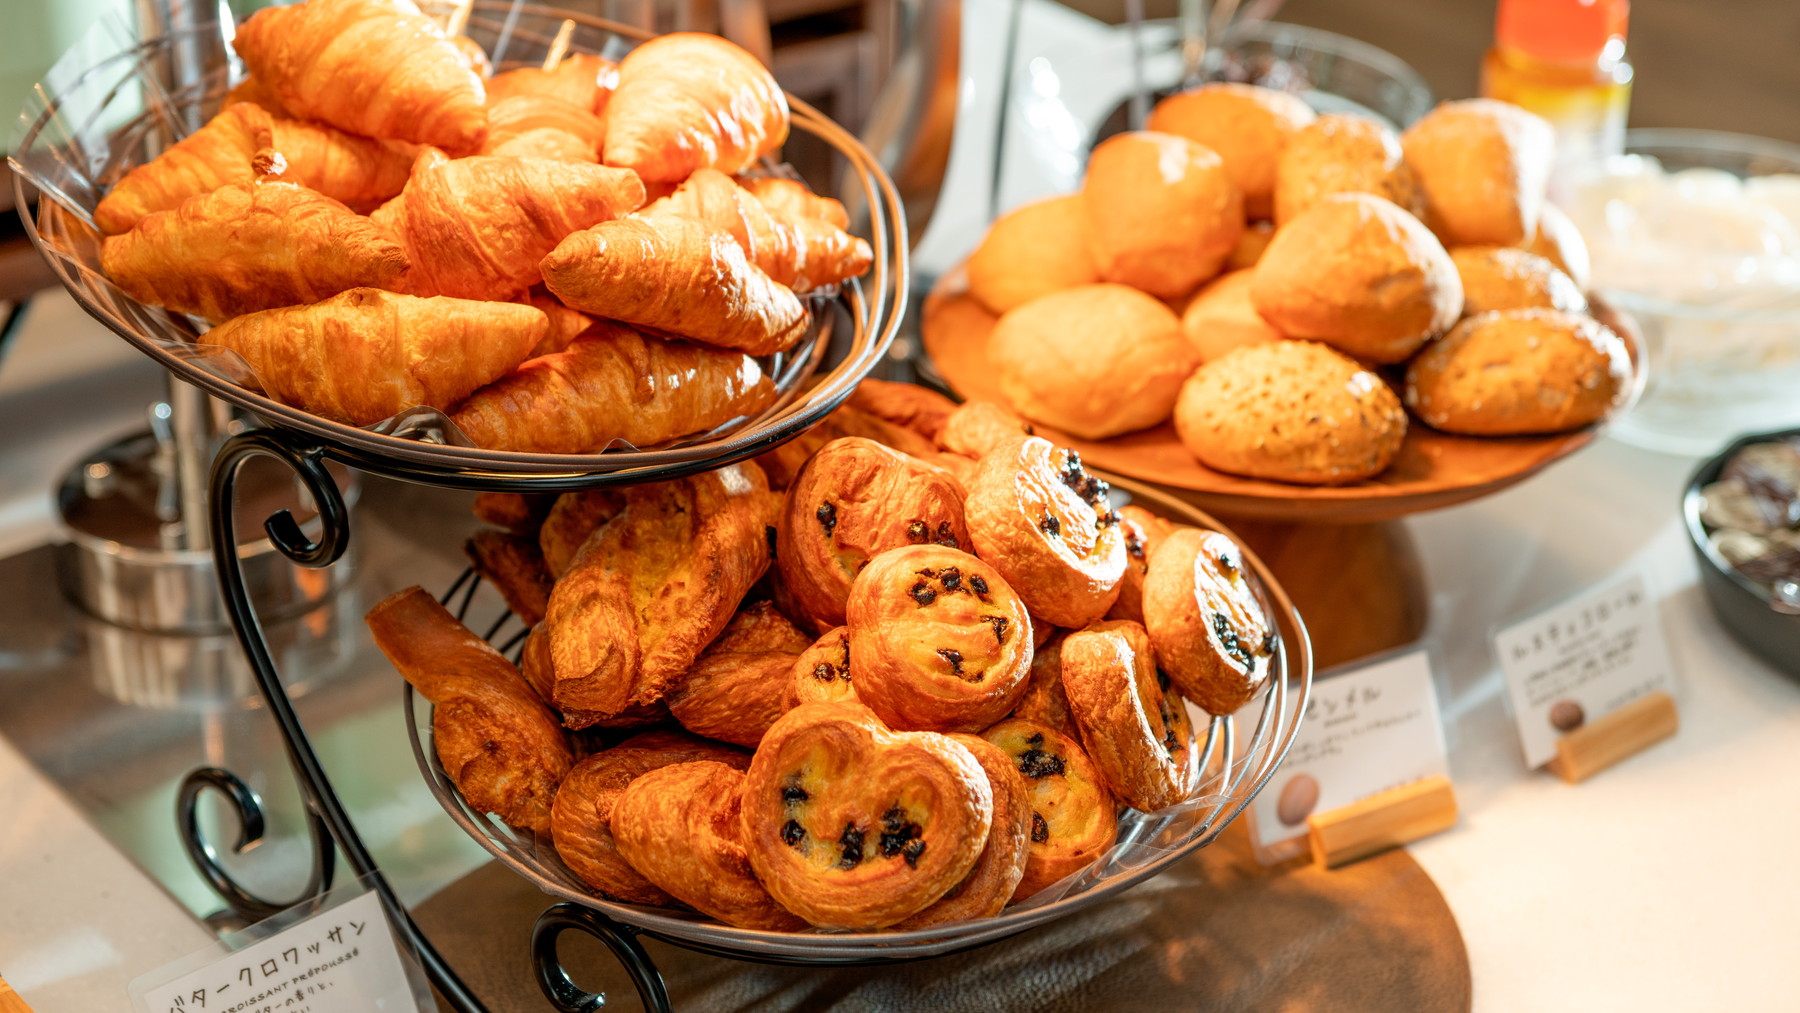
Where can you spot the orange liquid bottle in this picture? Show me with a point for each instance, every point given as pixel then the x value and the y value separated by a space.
pixel 1565 61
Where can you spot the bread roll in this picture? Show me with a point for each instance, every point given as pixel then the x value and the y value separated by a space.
pixel 1342 154
pixel 1361 275
pixel 1248 126
pixel 1482 166
pixel 1519 372
pixel 1162 212
pixel 1032 251
pixel 1250 245
pixel 1559 241
pixel 1095 361
pixel 1221 317
pixel 1502 278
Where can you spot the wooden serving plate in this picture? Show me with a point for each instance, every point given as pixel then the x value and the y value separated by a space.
pixel 1433 469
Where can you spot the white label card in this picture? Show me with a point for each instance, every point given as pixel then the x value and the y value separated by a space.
pixel 341 960
pixel 1584 658
pixel 1366 730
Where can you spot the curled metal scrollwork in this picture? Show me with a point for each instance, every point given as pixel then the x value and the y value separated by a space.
pixel 554 979
pixel 251 827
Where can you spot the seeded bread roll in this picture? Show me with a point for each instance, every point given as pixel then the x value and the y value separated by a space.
pixel 1502 278
pixel 1293 411
pixel 1519 372
pixel 1559 241
pixel 1162 212
pixel 1342 154
pixel 1482 166
pixel 1248 126
pixel 1221 317
pixel 1032 251
pixel 1361 275
pixel 1095 361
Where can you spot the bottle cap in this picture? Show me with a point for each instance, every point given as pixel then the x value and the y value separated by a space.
pixel 1560 31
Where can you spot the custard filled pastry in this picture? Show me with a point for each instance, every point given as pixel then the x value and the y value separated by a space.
pixel 1208 630
pixel 852 825
pixel 1074 818
pixel 680 826
pixel 498 742
pixel 853 501
pixel 1044 523
pixel 652 586
pixel 581 819
pixel 985 891
pixel 688 101
pixel 1143 532
pixel 940 639
pixel 1109 674
pixel 822 672
pixel 739 685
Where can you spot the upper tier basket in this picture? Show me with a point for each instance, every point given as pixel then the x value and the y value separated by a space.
pixel 106 108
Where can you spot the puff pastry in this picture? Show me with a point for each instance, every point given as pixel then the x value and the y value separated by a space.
pixel 542 126
pixel 850 824
pixel 681 827
pixel 1208 630
pixel 822 672
pixel 793 197
pixel 1043 522
pixel 977 427
pixel 1109 675
pixel 1143 532
pixel 990 885
pixel 571 519
pixel 651 587
pixel 783 464
pixel 581 79
pixel 515 566
pixel 498 742
pixel 520 513
pixel 739 685
pixel 1073 815
pixel 941 641
pixel 540 671
pixel 688 101
pixel 799 251
pixel 581 819
pixel 565 324
pixel 920 409
pixel 854 500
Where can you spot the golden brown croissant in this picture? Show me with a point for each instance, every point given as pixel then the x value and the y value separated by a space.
pixel 677 275
pixel 793 197
pixel 581 80
pixel 542 126
pixel 360 171
pixel 498 742
pixel 251 246
pixel 565 324
pixel 378 68
pixel 476 227
pixel 798 251
pixel 614 383
pixel 739 684
pixel 653 586
pixel 366 354
pixel 689 101
pixel 252 90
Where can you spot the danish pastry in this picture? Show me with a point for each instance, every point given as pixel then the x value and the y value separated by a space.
pixel 681 827
pixel 1162 212
pixel 985 891
pixel 1044 525
pixel 853 501
pixel 1482 167
pixel 739 685
pixel 1143 532
pixel 515 566
pixel 1074 818
pixel 1519 372
pixel 1249 127
pixel 1109 675
pixel 783 464
pixel 1498 278
pixel 1045 701
pixel 1032 251
pixel 977 427
pixel 581 819
pixel 1208 630
pixel 850 824
pixel 940 639
pixel 572 518
pixel 535 665
pixel 1342 154
pixel 822 673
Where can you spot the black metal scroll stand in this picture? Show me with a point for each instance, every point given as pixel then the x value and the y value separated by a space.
pixel 331 827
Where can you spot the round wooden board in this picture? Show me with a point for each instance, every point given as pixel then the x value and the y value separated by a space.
pixel 1433 469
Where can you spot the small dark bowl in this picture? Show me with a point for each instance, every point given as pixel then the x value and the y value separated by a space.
pixel 1742 605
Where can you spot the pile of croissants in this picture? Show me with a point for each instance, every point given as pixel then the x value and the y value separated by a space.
pixel 560 258
pixel 903 670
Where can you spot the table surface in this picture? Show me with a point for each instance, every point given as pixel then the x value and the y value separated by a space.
pixel 1663 884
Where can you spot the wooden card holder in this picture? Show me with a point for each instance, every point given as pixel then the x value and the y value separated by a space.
pixel 1381 821
pixel 1606 740
pixel 10 1001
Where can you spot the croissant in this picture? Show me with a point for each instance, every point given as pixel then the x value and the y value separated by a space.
pixel 614 383
pixel 360 171
pixel 374 67
pixel 515 566
pixel 581 80
pixel 476 228
pixel 252 90
pixel 793 197
pixel 263 244
pixel 365 354
pixel 677 275
pixel 543 126
pixel 689 101
pixel 565 324
pixel 498 742
pixel 798 251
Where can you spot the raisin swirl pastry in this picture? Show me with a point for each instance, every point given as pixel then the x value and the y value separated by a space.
pixel 681 827
pixel 990 885
pixel 1144 531
pixel 738 686
pixel 581 815
pixel 853 501
pixel 1209 631
pixel 1044 523
pixel 822 672
pixel 850 824
pixel 1074 818
pixel 941 641
pixel 1109 674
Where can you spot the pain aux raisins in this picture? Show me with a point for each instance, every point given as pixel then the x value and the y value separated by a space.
pixel 850 843
pixel 922 593
pixel 1000 625
pixel 917 531
pixel 1050 526
pixel 980 586
pixel 825 671
pixel 827 515
pixel 793 794
pixel 951 578
pixel 1040 831
pixel 1035 763
pixel 955 659
pixel 946 537
pixel 1229 643
pixel 900 836
pixel 1134 546
pixel 792 833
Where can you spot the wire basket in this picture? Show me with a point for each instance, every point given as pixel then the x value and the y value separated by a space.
pixel 107 107
pixel 1239 755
